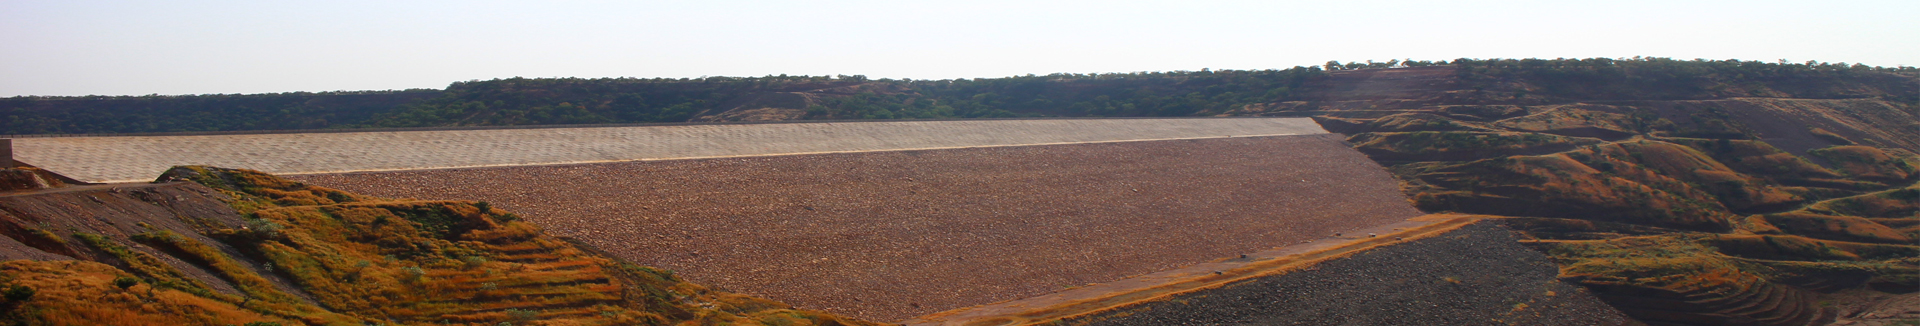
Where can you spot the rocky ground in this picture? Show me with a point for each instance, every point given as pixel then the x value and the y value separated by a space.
pixel 1477 275
pixel 892 235
pixel 1873 308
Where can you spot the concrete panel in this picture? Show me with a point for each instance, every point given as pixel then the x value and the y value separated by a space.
pixel 140 158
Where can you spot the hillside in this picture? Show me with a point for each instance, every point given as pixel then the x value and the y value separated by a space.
pixel 1771 203
pixel 1790 201
pixel 209 246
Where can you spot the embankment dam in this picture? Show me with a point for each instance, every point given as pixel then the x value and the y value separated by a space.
pixel 878 220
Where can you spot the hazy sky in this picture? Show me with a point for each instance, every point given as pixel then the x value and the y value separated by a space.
pixel 68 47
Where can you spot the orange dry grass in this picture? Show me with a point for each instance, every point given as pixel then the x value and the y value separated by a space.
pixel 434 260
pixel 244 278
pixel 1648 181
pixel 1757 158
pixel 1790 247
pixel 1562 184
pixel 1570 117
pixel 1832 227
pixel 1686 265
pixel 1702 172
pixel 149 267
pixel 81 293
pixel 1897 203
pixel 254 190
pixel 1871 163
pixel 1418 122
pixel 1641 260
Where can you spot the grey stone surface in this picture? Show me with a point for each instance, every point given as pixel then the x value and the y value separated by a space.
pixel 1477 275
pixel 140 158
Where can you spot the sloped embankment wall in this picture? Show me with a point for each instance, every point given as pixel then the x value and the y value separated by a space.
pixel 140 158
pixel 892 235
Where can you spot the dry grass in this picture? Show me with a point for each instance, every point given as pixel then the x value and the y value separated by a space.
pixel 1459 145
pixel 1585 120
pixel 1872 163
pixel 82 293
pixel 1893 204
pixel 1628 215
pixel 1791 247
pixel 242 277
pixel 1406 122
pixel 27 178
pixel 1835 227
pixel 149 267
pixel 1754 157
pixel 1598 182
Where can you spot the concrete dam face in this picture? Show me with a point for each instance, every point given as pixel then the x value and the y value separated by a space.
pixel 878 220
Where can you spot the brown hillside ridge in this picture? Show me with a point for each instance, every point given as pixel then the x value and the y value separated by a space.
pixel 1724 208
pixel 893 235
pixel 210 246
pixel 1370 96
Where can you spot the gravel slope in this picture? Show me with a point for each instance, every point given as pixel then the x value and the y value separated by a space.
pixel 1477 275
pixel 891 235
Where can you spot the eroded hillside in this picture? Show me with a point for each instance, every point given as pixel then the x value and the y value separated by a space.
pixel 1715 206
pixel 1682 192
pixel 210 246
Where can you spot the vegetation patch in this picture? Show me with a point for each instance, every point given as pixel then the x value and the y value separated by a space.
pixel 85 293
pixel 1872 163
pixel 1460 145
pixel 152 269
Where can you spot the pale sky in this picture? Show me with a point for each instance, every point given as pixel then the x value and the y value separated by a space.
pixel 68 47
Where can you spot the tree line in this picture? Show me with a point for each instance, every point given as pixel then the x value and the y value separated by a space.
pixel 537 101
pixel 210 112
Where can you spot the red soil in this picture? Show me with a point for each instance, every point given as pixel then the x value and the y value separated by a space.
pixel 892 235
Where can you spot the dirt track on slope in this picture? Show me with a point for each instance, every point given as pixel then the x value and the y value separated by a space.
pixel 891 235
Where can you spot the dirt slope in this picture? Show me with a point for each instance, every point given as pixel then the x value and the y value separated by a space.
pixel 1477 275
pixel 1716 207
pixel 892 235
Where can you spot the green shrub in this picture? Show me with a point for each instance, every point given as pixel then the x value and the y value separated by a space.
pixel 125 282
pixel 18 293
